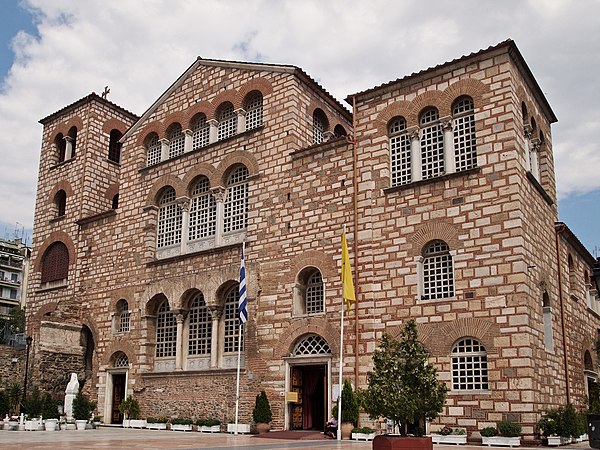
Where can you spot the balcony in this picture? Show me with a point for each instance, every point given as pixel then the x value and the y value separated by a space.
pixel 16 263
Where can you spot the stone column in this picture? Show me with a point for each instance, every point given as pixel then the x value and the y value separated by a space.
pixel 449 156
pixel 69 141
pixel 184 204
pixel 415 154
pixel 164 149
pixel 215 312
pixel 180 317
pixel 527 131
pixel 213 130
pixel 189 141
pixel 219 193
pixel 534 154
pixel 241 120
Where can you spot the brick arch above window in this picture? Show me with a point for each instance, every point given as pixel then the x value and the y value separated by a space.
pixel 303 326
pixel 60 186
pixel 111 191
pixel 154 302
pixel 313 258
pixel 56 236
pixel 178 118
pixel 64 127
pixel 114 124
pixel 239 157
pixel 401 108
pixel 121 344
pixel 202 107
pixel 189 295
pixel 161 183
pixel 429 99
pixel 260 84
pixel 152 127
pixel 199 170
pixel 434 231
pixel 467 87
pixel 230 96
pixel 55 262
pixel 41 314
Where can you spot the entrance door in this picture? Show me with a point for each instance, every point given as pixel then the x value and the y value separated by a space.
pixel 310 382
pixel 117 397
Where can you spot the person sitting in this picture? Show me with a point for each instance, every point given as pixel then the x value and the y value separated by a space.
pixel 331 428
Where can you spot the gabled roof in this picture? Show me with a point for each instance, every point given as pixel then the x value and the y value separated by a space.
pixel 562 229
pixel 508 46
pixel 83 101
pixel 280 68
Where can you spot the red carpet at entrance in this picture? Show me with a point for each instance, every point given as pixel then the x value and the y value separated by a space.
pixel 311 435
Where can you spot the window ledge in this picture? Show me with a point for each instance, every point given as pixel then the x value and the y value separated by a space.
pixel 448 176
pixel 473 392
pixel 63 163
pixel 114 163
pixel 323 146
pixel 96 217
pixel 540 188
pixel 52 286
pixel 183 256
pixel 438 300
pixel 57 219
pixel 192 373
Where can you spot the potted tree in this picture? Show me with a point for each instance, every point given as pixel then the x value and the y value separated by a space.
pixel 130 408
pixel 508 434
pixel 447 435
pixel 559 425
pixel 208 425
pixel 82 410
pixel 178 424
pixel 261 414
pixel 156 423
pixel 403 387
pixel 50 412
pixel 349 410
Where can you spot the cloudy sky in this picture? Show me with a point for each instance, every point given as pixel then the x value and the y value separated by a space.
pixel 53 52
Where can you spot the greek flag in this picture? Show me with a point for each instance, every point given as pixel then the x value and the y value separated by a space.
pixel 243 304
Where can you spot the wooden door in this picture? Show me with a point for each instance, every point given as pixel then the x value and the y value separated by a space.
pixel 117 397
pixel 296 409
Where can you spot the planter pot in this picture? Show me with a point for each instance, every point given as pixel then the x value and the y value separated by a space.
pixel 178 427
pixel 347 428
pixel 156 426
pixel 501 441
pixel 50 424
pixel 396 442
pixel 555 441
pixel 211 429
pixel 13 424
pixel 71 426
pixel 363 436
pixel 456 439
pixel 80 424
pixel 241 428
pixel 137 423
pixel 126 423
pixel 33 424
pixel 263 428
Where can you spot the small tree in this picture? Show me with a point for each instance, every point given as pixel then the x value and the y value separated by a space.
pixel 262 409
pixel 49 407
pixel 403 386
pixel 349 405
pixel 130 408
pixel 82 407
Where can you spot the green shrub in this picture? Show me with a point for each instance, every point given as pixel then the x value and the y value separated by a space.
pixel 161 419
pixel 262 409
pixel 49 407
pixel 446 431
pixel 130 408
pixel 489 432
pixel 459 432
pixel 349 404
pixel 178 421
pixel 509 429
pixel 82 407
pixel 33 403
pixel 3 404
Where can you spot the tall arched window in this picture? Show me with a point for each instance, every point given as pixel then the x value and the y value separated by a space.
pixel 231 321
pixel 169 219
pixel 254 110
pixel 320 125
pixel 548 331
pixel 438 271
pixel 55 263
pixel 464 134
pixel 400 156
pixel 309 292
pixel 201 131
pixel 200 327
pixel 235 214
pixel 61 147
pixel 60 201
pixel 203 211
pixel 572 275
pixel 227 121
pixel 114 146
pixel 432 144
pixel 469 366
pixel 339 131
pixel 71 143
pixel 154 149
pixel 176 140
pixel 166 331
pixel 123 317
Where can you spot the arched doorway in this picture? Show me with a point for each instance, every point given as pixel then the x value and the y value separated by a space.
pixel 116 387
pixel 88 344
pixel 308 375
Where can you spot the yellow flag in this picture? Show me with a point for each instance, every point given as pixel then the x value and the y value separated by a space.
pixel 347 281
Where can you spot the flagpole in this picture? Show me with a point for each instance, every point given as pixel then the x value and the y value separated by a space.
pixel 339 418
pixel 242 317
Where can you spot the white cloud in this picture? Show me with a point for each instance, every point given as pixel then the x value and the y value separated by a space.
pixel 140 48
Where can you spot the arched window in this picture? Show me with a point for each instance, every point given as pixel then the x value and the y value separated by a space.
pixel 203 211
pixel 572 275
pixel 464 134
pixel 400 156
pixel 309 292
pixel 169 219
pixel 548 332
pixel 524 114
pixel 115 201
pixel 320 125
pixel 235 214
pixel 166 331
pixel 60 201
pixel 176 140
pixel 469 366
pixel 311 344
pixel 120 361
pixel 154 148
pixel 71 143
pixel 227 121
pixel 432 144
pixel 339 131
pixel 232 323
pixel 55 263
pixel 61 146
pixel 114 146
pixel 201 131
pixel 200 327
pixel 254 110
pixel 438 271
pixel 123 316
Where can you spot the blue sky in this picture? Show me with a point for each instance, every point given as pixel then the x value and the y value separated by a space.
pixel 76 47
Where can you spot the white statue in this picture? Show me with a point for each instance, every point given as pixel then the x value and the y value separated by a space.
pixel 70 393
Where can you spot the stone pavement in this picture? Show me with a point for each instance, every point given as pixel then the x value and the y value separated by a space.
pixel 120 438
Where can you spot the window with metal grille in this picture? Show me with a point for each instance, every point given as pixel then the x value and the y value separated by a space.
pixel 464 134
pixel 166 331
pixel 227 121
pixel 232 322
pixel 114 146
pixel 121 360
pixel 201 131
pixel 469 366
pixel 55 263
pixel 154 150
pixel 203 211
pixel 176 141
pixel 432 144
pixel 200 327
pixel 314 294
pixel 123 316
pixel 311 344
pixel 235 215
pixel 400 156
pixel 169 220
pixel 254 111
pixel 438 273
pixel 319 126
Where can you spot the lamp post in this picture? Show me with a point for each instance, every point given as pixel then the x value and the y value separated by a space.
pixel 28 340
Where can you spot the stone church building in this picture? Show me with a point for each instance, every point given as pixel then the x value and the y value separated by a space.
pixel 445 181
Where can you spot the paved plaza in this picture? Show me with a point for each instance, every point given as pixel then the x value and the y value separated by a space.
pixel 120 438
